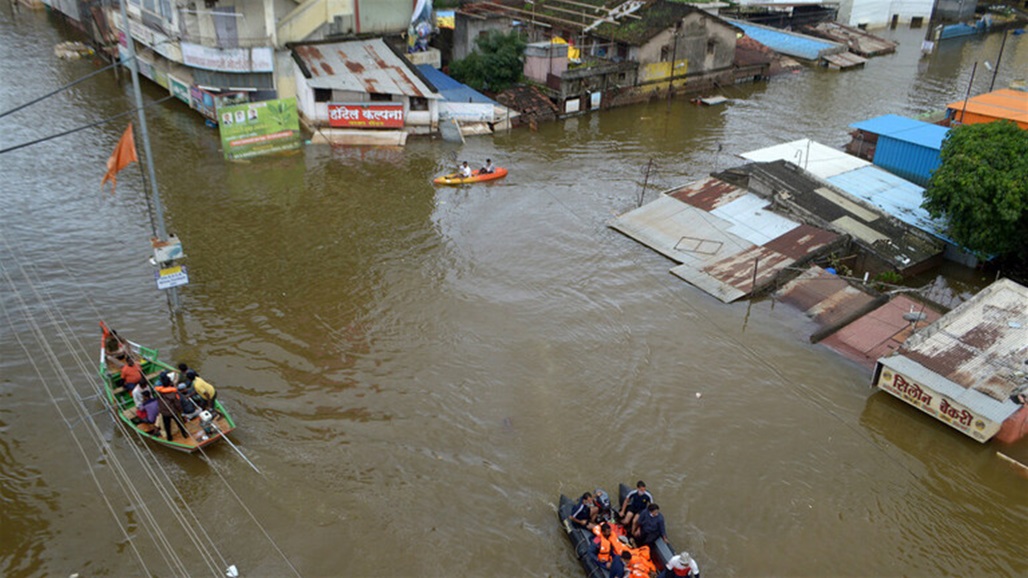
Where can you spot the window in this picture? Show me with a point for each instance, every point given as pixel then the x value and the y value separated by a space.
pixel 664 51
pixel 711 45
pixel 322 95
pixel 377 97
pixel 418 103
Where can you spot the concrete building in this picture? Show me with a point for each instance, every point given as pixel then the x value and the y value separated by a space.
pixel 362 92
pixel 227 51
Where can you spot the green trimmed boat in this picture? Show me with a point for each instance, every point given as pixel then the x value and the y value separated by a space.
pixel 202 432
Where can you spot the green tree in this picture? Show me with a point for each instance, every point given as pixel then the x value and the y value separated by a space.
pixel 981 188
pixel 495 66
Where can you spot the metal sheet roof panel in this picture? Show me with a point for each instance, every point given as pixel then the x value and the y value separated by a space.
pixel 789 43
pixel 368 66
pixel 977 353
pixel 905 129
pixel 820 160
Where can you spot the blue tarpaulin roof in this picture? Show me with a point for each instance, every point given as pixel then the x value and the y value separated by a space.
pixel 789 43
pixel 452 90
pixel 905 129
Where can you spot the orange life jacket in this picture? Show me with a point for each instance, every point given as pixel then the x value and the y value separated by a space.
pixel 605 545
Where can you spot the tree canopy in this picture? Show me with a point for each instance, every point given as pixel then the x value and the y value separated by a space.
pixel 495 66
pixel 981 188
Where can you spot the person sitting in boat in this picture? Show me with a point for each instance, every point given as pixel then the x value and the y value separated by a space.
pixel 183 369
pixel 170 407
pixel 204 391
pixel 585 512
pixel 138 393
pixel 190 408
pixel 465 170
pixel 635 502
pixel 619 565
pixel 681 566
pixel 603 546
pixel 115 350
pixel 488 169
pixel 148 411
pixel 649 526
pixel 130 374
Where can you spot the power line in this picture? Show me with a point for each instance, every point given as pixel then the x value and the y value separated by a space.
pixel 63 88
pixel 84 127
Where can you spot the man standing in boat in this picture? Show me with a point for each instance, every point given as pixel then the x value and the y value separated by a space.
pixel 170 406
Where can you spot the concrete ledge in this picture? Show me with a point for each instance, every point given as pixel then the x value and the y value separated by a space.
pixel 355 137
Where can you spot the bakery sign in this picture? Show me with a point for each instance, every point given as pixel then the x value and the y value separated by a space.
pixel 937 405
pixel 366 115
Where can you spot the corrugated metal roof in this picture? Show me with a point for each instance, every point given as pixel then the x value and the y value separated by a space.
pixel 880 332
pixel 976 354
pixel 451 89
pixel 905 129
pixel 823 161
pixel 893 195
pixel 844 60
pixel 368 66
pixel 717 249
pixel 790 43
pixel 1005 103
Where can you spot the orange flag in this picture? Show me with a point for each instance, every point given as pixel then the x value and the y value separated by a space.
pixel 123 154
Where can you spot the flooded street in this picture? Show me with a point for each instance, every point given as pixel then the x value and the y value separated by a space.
pixel 418 372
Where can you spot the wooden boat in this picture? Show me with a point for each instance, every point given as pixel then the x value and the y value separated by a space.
pixel 201 433
pixel 476 177
pixel 582 539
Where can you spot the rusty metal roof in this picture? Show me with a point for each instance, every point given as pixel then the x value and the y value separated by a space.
pixel 976 354
pixel 718 232
pixel 367 66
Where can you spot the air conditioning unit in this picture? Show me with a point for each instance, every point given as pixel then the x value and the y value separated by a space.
pixel 341 25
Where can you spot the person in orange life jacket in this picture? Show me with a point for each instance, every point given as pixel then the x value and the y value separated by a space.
pixel 130 374
pixel 639 565
pixel 681 566
pixel 602 544
pixel 635 502
pixel 619 565
pixel 585 512
pixel 170 406
pixel 650 526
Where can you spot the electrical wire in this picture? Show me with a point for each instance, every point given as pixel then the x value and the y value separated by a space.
pixel 84 127
pixel 61 89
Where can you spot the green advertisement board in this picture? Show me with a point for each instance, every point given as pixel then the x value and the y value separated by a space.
pixel 259 128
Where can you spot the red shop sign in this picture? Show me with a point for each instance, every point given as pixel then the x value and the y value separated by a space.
pixel 366 115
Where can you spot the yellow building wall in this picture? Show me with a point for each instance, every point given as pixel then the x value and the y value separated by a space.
pixel 662 71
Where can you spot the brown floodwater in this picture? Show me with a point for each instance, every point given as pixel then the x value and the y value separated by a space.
pixel 418 372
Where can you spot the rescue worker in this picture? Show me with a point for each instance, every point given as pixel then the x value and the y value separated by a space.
pixel 619 565
pixel 635 502
pixel 681 566
pixel 585 512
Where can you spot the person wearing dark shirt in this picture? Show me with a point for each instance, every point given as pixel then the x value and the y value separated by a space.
pixel 650 526
pixel 636 501
pixel 584 513
pixel 618 565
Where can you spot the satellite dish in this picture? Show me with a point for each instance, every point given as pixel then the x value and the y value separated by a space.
pixel 914 317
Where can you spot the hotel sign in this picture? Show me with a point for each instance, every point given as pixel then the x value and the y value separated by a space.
pixel 937 405
pixel 366 115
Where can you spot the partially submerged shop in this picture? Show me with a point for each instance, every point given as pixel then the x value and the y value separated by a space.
pixel 362 92
pixel 969 369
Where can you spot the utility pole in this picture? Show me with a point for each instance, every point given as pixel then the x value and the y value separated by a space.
pixel 998 58
pixel 162 235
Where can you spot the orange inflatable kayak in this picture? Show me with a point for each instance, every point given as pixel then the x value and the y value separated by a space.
pixel 476 177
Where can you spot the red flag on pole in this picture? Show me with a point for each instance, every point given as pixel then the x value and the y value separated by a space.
pixel 123 154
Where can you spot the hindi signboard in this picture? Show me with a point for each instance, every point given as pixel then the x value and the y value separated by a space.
pixel 366 115
pixel 258 128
